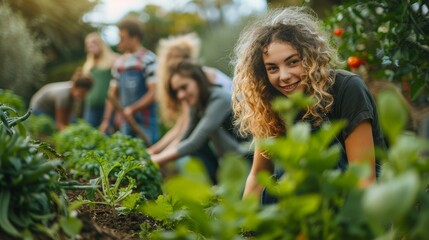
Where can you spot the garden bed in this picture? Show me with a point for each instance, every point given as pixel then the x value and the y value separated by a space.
pixel 101 223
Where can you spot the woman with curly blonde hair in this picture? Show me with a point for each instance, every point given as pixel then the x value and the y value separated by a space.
pixel 287 51
pixel 174 114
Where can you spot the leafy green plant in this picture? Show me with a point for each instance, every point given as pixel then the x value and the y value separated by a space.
pixel 84 147
pixel 37 127
pixel 9 98
pixel 40 127
pixel 315 200
pixel 113 194
pixel 401 198
pixel 31 198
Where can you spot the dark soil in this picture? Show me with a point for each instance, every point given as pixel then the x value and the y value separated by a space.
pixel 101 223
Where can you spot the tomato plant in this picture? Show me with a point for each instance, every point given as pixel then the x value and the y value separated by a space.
pixel 393 35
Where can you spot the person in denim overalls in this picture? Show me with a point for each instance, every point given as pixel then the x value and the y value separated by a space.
pixel 135 82
pixel 287 51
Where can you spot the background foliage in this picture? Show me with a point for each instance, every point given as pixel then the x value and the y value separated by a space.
pixel 22 61
pixel 391 40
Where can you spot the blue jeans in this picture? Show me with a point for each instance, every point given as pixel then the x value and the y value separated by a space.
pixel 38 112
pixel 208 159
pixel 151 132
pixel 93 115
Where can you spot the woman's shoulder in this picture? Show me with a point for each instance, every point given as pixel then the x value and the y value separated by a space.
pixel 341 75
pixel 345 79
pixel 218 91
pixel 218 94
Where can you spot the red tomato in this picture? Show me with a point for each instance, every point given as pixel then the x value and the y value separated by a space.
pixel 354 62
pixel 338 32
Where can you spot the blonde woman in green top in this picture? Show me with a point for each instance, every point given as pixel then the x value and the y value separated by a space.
pixel 98 65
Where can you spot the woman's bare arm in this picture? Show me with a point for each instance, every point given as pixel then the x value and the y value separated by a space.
pixel 360 147
pixel 260 163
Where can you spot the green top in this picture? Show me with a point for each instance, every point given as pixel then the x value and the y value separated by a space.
pixel 98 93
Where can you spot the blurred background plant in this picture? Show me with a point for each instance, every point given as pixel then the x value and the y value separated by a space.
pixel 48 36
pixel 22 61
pixel 386 40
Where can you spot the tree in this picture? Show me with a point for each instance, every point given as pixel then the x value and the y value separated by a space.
pixel 22 61
pixel 57 22
pixel 158 23
pixel 390 38
pixel 213 10
pixel 322 8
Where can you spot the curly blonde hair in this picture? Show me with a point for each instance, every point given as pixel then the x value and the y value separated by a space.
pixel 170 51
pixel 253 93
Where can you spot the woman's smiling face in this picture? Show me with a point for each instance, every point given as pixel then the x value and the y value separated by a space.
pixel 283 65
pixel 186 89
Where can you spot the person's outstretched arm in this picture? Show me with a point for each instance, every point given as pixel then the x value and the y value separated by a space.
pixel 172 137
pixel 62 118
pixel 260 163
pixel 211 121
pixel 360 147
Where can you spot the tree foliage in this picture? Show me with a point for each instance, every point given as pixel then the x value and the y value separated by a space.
pixel 390 37
pixel 159 23
pixel 58 22
pixel 22 61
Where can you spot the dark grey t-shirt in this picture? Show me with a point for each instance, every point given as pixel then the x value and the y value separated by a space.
pixel 51 96
pixel 354 103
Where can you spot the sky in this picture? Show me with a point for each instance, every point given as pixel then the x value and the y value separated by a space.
pixel 109 12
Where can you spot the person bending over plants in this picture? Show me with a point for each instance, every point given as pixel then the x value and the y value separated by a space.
pixel 210 116
pixel 58 100
pixel 171 51
pixel 286 52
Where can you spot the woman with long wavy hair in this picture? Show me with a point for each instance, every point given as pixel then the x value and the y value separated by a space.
pixel 174 114
pixel 99 60
pixel 288 51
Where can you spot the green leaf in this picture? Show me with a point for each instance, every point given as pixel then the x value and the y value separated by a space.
pixel 161 209
pixel 307 204
pixel 393 116
pixel 131 200
pixel 417 87
pixel 232 175
pixel 189 190
pixel 390 201
pixel 71 226
pixel 407 151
